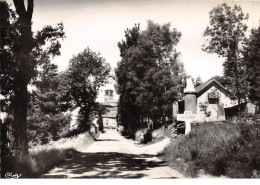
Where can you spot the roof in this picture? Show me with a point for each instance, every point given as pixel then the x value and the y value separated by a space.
pixel 109 104
pixel 205 86
pixel 110 114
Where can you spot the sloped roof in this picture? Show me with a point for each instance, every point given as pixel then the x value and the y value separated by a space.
pixel 205 86
pixel 110 114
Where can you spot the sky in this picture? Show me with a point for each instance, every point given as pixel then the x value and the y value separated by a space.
pixel 100 25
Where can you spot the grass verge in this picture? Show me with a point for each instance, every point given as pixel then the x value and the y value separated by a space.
pixel 226 149
pixel 44 157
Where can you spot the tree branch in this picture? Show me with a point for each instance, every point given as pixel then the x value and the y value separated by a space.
pixel 30 9
pixel 20 8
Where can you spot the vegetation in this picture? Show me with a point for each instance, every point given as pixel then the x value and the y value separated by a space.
pixel 80 84
pixel 225 35
pixel 251 59
pixel 149 76
pixel 228 149
pixel 44 157
pixel 46 121
pixel 21 54
pixel 150 79
pixel 38 117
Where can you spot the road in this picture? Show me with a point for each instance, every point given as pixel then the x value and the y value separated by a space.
pixel 114 156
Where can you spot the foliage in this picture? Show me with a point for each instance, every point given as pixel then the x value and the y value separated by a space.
pixel 44 157
pixel 6 135
pixel 198 81
pixel 87 72
pixel 225 36
pixel 22 53
pixel 220 79
pixel 143 136
pixel 203 108
pixel 149 74
pixel 252 62
pixel 217 149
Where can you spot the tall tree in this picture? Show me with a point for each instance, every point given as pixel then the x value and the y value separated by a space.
pixel 87 72
pixel 46 120
pixel 225 36
pixel 252 63
pixel 128 112
pixel 149 74
pixel 22 54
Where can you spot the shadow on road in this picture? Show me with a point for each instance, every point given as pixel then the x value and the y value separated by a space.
pixel 106 140
pixel 104 165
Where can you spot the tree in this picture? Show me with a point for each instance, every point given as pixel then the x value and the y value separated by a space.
pixel 149 74
pixel 226 34
pixel 127 110
pixel 87 72
pixel 46 120
pixel 198 81
pixel 252 63
pixel 22 52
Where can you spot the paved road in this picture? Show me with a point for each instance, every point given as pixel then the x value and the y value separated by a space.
pixel 113 156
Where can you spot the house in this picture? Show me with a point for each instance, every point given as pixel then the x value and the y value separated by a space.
pixel 109 98
pixel 208 101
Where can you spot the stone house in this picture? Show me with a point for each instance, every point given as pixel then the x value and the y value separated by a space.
pixel 109 98
pixel 208 101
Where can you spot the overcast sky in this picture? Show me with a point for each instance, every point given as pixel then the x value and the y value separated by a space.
pixel 100 25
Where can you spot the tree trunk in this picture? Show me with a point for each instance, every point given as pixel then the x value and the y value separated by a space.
pixel 20 114
pixel 85 124
pixel 22 78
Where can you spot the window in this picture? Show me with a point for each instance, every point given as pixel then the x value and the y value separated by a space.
pixel 108 92
pixel 213 100
pixel 213 97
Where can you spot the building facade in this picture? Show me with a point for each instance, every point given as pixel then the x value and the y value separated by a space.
pixel 108 97
pixel 208 101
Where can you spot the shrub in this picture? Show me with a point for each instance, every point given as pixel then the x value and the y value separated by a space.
pixel 121 129
pixel 43 157
pixel 42 129
pixel 218 149
pixel 143 136
pixel 160 133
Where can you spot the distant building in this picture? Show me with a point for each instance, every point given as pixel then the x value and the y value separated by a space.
pixel 210 101
pixel 109 98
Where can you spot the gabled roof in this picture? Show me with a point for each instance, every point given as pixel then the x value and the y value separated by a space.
pixel 208 84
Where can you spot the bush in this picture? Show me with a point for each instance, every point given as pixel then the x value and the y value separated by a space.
pixel 43 157
pixel 42 129
pixel 218 149
pixel 160 134
pixel 143 136
pixel 121 129
pixel 6 135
